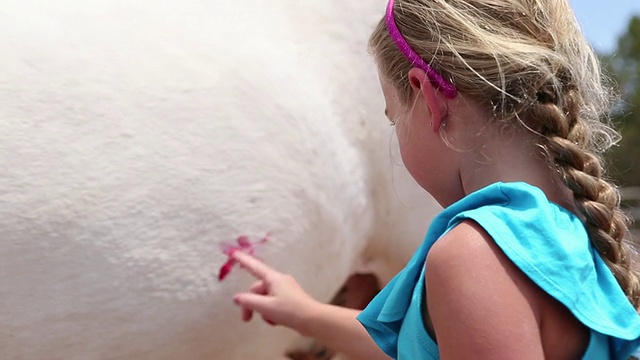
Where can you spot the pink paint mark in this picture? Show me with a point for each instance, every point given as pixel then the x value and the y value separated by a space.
pixel 244 245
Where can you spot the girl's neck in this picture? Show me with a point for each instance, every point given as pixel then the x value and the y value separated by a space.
pixel 513 159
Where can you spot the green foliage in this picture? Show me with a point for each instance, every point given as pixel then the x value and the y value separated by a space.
pixel 624 68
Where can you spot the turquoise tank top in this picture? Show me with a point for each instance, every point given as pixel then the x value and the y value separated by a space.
pixel 547 242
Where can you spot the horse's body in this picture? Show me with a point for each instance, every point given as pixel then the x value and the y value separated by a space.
pixel 137 135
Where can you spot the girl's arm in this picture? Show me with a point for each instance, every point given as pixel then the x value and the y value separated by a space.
pixel 337 328
pixel 280 300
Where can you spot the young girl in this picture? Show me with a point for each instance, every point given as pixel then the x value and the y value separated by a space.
pixel 498 107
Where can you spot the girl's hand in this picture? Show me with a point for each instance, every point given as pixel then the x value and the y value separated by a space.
pixel 276 296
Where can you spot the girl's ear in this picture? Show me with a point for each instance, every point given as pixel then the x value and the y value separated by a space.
pixel 432 97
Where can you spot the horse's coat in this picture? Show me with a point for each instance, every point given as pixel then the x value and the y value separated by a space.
pixel 135 134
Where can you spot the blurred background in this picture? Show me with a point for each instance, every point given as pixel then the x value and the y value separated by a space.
pixel 613 28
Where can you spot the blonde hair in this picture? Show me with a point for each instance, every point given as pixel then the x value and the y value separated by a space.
pixel 529 62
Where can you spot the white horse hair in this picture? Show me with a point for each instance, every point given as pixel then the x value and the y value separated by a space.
pixel 137 135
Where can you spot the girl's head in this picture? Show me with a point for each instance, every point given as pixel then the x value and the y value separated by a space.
pixel 528 66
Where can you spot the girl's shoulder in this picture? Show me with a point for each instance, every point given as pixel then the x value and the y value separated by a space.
pixel 546 243
pixel 475 292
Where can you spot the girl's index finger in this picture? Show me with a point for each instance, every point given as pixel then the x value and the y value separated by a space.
pixel 254 266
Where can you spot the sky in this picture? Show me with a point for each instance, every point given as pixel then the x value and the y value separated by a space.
pixel 604 20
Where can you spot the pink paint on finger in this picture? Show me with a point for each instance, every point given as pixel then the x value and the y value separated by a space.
pixel 244 245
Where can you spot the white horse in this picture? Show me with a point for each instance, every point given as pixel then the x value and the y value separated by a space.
pixel 136 136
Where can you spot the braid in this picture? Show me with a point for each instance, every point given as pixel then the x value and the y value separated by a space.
pixel 565 140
